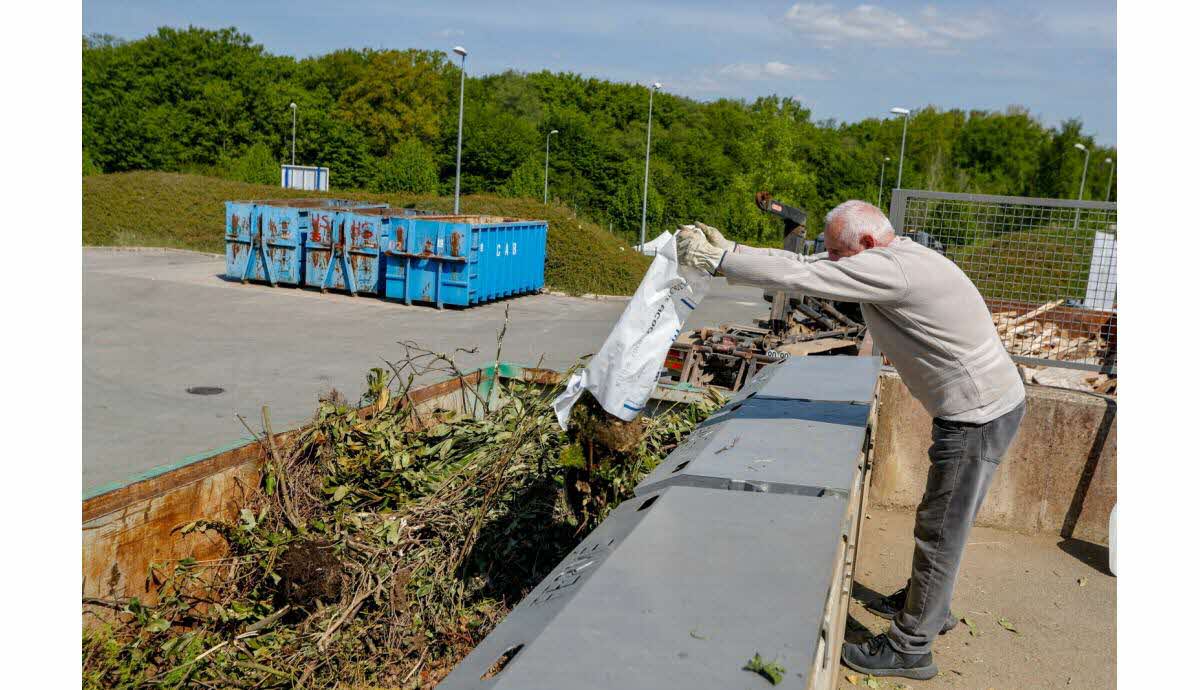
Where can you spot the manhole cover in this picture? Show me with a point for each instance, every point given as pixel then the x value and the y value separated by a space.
pixel 205 390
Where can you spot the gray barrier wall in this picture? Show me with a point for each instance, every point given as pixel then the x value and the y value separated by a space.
pixel 742 542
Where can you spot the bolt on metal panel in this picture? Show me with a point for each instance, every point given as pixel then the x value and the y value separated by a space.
pixel 771 446
pixel 838 378
pixel 699 581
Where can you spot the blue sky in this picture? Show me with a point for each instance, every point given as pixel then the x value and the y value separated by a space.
pixel 844 60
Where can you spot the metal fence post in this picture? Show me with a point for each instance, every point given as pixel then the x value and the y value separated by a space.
pixel 897 209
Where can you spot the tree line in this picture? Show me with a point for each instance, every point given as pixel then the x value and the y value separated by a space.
pixel 214 102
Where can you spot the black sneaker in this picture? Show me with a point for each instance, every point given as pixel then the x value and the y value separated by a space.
pixel 889 606
pixel 876 657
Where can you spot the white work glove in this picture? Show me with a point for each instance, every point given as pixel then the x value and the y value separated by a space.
pixel 694 250
pixel 715 237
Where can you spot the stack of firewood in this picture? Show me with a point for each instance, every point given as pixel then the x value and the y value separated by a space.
pixel 1025 335
pixel 1028 335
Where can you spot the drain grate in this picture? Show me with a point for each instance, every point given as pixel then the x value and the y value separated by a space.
pixel 205 390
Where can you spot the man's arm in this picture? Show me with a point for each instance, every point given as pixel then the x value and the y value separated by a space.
pixel 717 239
pixel 871 276
pixel 740 248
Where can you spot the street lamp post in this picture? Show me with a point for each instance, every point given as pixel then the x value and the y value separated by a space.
pixel 293 133
pixel 879 202
pixel 1111 169
pixel 903 138
pixel 1083 177
pixel 462 87
pixel 646 181
pixel 546 177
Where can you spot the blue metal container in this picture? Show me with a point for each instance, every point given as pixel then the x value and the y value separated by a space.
pixel 463 260
pixel 238 241
pixel 277 232
pixel 342 248
pixel 265 240
pixel 256 248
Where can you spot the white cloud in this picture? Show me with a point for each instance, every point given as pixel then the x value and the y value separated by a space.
pixel 956 28
pixel 876 25
pixel 752 71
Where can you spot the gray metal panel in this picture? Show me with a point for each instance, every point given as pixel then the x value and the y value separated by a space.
pixel 529 618
pixel 838 378
pixel 772 446
pixel 704 580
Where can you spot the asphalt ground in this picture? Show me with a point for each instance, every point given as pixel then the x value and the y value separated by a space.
pixel 158 322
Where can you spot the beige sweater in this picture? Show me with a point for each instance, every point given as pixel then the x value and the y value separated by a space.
pixel 923 313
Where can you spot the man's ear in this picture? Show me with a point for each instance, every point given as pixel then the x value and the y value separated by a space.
pixel 867 241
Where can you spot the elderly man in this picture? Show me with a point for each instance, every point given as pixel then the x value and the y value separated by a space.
pixel 931 322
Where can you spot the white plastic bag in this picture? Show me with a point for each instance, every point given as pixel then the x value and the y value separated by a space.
pixel 651 248
pixel 623 373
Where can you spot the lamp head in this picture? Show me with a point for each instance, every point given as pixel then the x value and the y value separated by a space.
pixel 658 85
pixel 1081 147
pixel 900 111
pixel 554 131
pixel 460 50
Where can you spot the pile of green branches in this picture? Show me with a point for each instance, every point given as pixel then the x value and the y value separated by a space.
pixel 380 548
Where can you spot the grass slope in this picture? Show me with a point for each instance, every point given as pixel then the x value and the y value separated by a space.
pixel 158 209
pixel 1037 265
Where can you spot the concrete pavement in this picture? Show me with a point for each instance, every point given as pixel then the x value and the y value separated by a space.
pixel 158 322
pixel 1057 593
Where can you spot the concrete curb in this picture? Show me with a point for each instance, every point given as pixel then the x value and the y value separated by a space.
pixel 588 295
pixel 150 250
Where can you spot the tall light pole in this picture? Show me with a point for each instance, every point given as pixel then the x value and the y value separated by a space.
pixel 1083 177
pixel 903 138
pixel 546 177
pixel 879 202
pixel 646 182
pixel 293 133
pixel 1111 169
pixel 462 89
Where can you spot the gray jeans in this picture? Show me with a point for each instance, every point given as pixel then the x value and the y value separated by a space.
pixel 962 459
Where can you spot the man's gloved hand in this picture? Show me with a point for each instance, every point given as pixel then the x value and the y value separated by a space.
pixel 696 251
pixel 715 237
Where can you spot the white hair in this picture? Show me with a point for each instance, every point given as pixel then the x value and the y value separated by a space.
pixel 858 218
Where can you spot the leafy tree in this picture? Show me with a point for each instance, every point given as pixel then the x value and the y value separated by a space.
pixel 526 180
pixel 409 167
pixel 89 166
pixel 257 164
pixel 399 94
pixel 201 99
